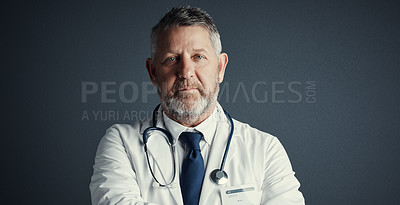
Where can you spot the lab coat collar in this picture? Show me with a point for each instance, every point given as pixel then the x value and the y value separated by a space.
pixel 216 154
pixel 149 122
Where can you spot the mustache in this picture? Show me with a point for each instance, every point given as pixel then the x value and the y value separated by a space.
pixel 185 84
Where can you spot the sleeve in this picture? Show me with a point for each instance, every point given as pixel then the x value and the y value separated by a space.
pixel 114 179
pixel 280 186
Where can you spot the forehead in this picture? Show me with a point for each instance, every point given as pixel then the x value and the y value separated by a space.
pixel 195 37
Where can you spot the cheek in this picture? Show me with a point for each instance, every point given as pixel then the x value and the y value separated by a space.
pixel 209 81
pixel 165 82
pixel 164 76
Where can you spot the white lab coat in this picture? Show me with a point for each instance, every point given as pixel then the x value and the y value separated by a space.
pixel 121 174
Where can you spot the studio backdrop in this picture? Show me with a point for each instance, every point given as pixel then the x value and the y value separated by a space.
pixel 322 76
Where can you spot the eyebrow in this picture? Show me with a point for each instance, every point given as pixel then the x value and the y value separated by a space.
pixel 200 50
pixel 170 51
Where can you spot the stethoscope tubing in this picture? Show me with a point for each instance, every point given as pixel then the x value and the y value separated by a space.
pixel 172 146
pixel 228 144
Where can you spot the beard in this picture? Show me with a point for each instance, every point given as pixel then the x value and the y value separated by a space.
pixel 188 107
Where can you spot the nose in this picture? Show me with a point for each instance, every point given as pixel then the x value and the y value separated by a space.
pixel 186 68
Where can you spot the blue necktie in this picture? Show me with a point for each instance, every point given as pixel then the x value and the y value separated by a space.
pixel 192 173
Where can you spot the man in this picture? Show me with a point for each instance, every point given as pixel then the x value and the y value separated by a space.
pixel 187 67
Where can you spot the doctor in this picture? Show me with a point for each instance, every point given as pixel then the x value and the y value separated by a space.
pixel 187 67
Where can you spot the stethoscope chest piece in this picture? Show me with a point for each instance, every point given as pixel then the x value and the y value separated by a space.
pixel 219 177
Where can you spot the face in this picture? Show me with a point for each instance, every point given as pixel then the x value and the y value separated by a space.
pixel 187 73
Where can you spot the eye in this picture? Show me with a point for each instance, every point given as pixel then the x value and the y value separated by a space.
pixel 199 57
pixel 170 59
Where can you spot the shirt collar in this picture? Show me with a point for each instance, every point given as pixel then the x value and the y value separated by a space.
pixel 208 127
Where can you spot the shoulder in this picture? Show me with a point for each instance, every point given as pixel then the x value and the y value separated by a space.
pixel 122 129
pixel 250 135
pixel 244 128
pixel 126 132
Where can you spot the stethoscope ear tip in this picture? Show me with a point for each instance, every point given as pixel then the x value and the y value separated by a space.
pixel 171 186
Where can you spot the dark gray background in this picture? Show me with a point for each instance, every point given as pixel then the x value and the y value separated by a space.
pixel 344 147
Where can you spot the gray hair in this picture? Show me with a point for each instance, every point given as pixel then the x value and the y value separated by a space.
pixel 186 16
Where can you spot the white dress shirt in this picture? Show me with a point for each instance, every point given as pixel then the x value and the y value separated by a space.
pixel 208 128
pixel 256 162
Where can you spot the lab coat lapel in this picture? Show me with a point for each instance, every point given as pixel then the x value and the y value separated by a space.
pixel 175 190
pixel 214 160
pixel 165 164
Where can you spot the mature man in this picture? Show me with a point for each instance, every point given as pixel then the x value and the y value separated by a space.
pixel 210 158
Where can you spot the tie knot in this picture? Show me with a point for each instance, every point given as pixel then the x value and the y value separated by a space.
pixel 192 139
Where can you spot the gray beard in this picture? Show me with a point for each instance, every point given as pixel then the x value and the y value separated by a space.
pixel 178 107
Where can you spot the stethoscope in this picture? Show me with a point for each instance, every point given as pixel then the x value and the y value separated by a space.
pixel 218 176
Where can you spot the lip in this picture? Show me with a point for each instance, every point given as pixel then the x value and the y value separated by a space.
pixel 188 89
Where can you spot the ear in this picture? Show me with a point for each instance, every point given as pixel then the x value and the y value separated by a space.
pixel 151 70
pixel 223 61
